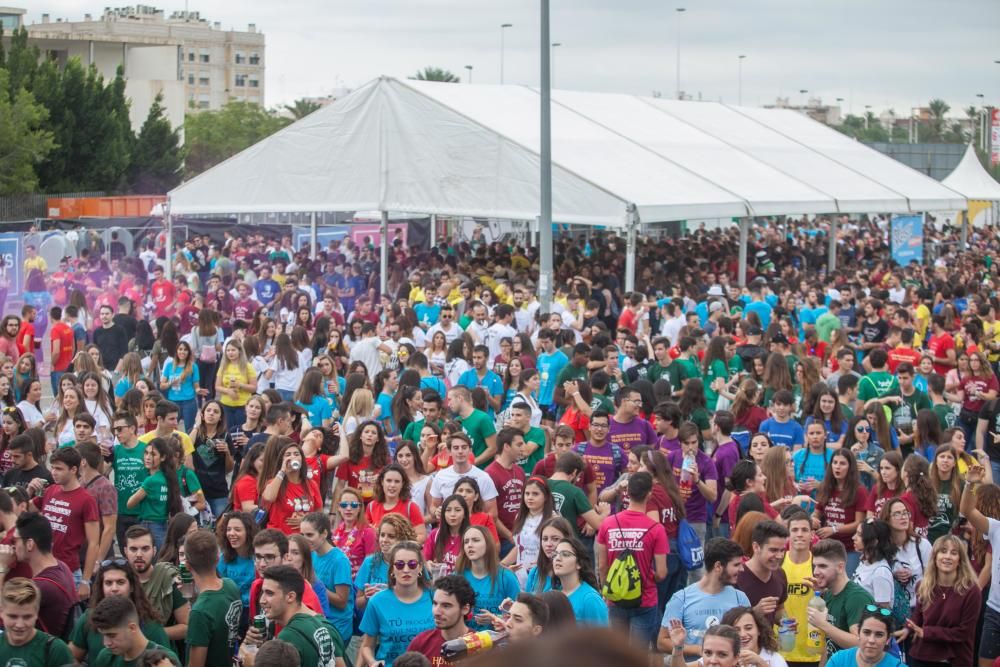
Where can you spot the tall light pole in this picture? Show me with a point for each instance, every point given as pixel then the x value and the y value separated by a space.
pixel 469 67
pixel 503 27
pixel 867 107
pixel 679 11
pixel 545 155
pixel 552 65
pixel 982 122
pixel 739 97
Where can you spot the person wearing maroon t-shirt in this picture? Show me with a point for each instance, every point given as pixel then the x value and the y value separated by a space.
pixel 508 477
pixel 454 599
pixel 840 504
pixel 562 443
pixel 162 291
pixel 245 305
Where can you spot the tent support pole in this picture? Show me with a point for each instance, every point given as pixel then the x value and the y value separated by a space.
pixel 963 237
pixel 630 240
pixel 831 250
pixel 741 275
pixel 312 236
pixel 168 250
pixel 383 260
pixel 545 194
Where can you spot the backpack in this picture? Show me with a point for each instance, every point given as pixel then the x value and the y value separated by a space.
pixel 617 456
pixel 689 548
pixel 73 614
pixel 624 583
pixel 900 601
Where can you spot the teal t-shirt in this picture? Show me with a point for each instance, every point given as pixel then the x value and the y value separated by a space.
pixel 241 571
pixel 588 606
pixel 130 472
pixel 334 569
pixel 395 623
pixel 491 592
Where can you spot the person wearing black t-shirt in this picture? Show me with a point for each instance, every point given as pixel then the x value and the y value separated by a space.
pixel 26 468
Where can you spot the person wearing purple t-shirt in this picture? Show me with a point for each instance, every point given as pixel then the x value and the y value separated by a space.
pixel 725 456
pixel 702 489
pixel 667 418
pixel 607 459
pixel 628 429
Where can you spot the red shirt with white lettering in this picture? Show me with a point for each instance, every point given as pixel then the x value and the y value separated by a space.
pixel 163 296
pixel 302 498
pixel 68 512
pixel 510 487
pixel 428 643
pixel 834 513
pixel 645 537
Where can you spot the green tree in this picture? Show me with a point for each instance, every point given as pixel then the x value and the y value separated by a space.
pixel 302 108
pixel 213 136
pixel 936 127
pixel 23 142
pixel 157 158
pixel 435 74
pixel 21 63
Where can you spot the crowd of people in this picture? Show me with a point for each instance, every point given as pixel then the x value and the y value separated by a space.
pixel 264 460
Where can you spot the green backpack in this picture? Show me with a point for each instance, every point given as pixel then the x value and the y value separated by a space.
pixel 624 584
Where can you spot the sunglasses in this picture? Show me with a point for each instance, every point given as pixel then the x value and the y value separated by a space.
pixel 353 505
pixel 117 562
pixel 881 611
pixel 406 565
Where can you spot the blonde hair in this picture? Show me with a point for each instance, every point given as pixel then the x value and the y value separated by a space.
pixel 21 591
pixel 775 467
pixel 362 405
pixel 241 363
pixel 966 575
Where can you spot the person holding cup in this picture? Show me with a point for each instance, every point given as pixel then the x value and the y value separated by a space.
pixel 758 644
pixel 289 494
pixel 213 459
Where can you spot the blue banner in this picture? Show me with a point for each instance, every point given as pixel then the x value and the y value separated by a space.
pixel 907 239
pixel 11 262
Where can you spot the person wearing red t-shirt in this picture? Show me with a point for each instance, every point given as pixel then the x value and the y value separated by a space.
pixel 904 352
pixel 162 291
pixel 563 442
pixel 392 496
pixel 26 335
pixel 245 305
pixel 368 453
pixel 73 514
pixel 508 478
pixel 290 494
pixel 62 346
pixel 841 502
pixel 454 600
pixel 270 547
pixel 942 346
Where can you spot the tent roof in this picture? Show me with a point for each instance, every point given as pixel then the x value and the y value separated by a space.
pixel 474 150
pixel 971 180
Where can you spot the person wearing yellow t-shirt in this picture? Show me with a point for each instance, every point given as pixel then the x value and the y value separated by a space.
pixel 32 260
pixel 235 383
pixel 167 413
pixel 921 315
pixel 797 567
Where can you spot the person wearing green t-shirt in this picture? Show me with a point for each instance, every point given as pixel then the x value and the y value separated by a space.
pixel 130 472
pixel 117 620
pixel 432 413
pixel 878 384
pixel 686 363
pixel 158 497
pixel 215 614
pixel 317 642
pixel 476 424
pixel 21 643
pixel 660 368
pixel 845 600
pixel 534 437
pixel 570 501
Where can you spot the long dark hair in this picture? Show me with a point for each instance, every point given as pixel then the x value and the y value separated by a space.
pixel 444 530
pixel 523 512
pixel 851 482
pixel 177 529
pixel 543 568
pixel 285 353
pixel 380 452
pixel 660 469
pixel 876 540
pixel 229 554
pixel 137 595
pixel 585 562
pixel 404 491
pixel 169 469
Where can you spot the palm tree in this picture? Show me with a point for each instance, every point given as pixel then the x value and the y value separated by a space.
pixel 302 108
pixel 972 113
pixel 938 109
pixel 435 74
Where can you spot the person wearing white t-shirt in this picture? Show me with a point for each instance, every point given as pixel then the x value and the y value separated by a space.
pixel 499 330
pixel 446 324
pixel 443 485
pixel 989 647
pixel 368 350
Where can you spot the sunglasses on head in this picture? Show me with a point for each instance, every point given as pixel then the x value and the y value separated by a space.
pixel 117 562
pixel 352 505
pixel 881 611
pixel 406 565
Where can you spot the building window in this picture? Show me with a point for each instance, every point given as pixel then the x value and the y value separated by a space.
pixel 241 80
pixel 254 58
pixel 203 79
pixel 241 58
pixel 203 101
pixel 254 83
pixel 190 78
pixel 191 56
pixel 203 55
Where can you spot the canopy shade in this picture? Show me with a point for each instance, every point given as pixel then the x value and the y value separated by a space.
pixel 455 149
pixel 971 180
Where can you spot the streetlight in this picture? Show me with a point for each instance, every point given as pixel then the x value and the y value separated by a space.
pixel 469 67
pixel 552 67
pixel 679 11
pixel 739 98
pixel 982 122
pixel 545 158
pixel 867 107
pixel 503 26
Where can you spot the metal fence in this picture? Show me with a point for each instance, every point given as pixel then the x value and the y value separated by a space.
pixel 17 208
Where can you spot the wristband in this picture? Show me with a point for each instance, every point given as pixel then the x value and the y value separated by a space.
pixel 280 475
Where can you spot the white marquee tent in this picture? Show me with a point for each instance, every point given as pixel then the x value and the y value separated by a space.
pixel 618 160
pixel 973 182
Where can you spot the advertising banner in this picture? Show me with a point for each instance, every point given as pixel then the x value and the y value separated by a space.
pixel 907 239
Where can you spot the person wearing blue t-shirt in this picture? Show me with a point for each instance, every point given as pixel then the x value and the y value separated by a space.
pixel 781 428
pixel 571 564
pixel 180 382
pixel 396 615
pixel 427 313
pixel 874 635
pixel 810 462
pixel 549 363
pixel 312 397
pixel 481 376
pixel 266 288
pixel 759 306
pixel 333 568
pixel 491 588
pixel 702 604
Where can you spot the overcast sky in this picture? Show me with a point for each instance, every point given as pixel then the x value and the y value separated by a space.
pixel 883 53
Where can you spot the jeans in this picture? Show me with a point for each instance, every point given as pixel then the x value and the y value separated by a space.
pixel 125 521
pixel 853 560
pixel 235 417
pixel 158 530
pixel 695 575
pixel 55 378
pixel 286 395
pixel 189 411
pixel 218 506
pixel 675 580
pixel 995 468
pixel 641 622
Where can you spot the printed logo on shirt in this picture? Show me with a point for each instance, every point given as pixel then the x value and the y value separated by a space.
pixel 233 620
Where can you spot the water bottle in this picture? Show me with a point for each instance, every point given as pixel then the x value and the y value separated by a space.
pixel 786 634
pixel 686 467
pixel 815 638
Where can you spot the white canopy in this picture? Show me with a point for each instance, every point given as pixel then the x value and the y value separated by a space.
pixel 474 150
pixel 971 180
